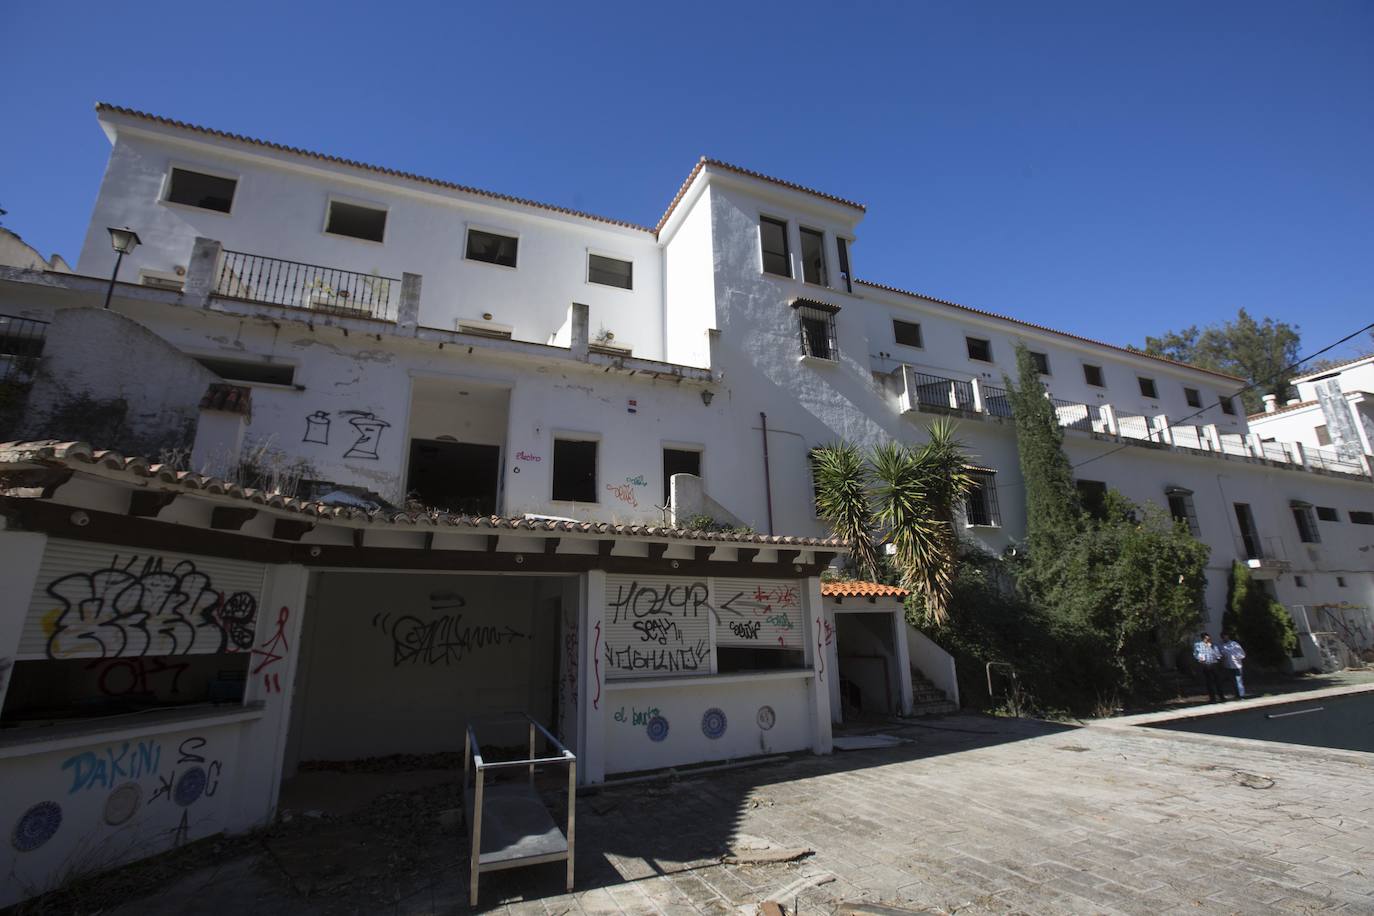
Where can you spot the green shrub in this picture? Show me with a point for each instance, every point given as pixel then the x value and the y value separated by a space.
pixel 1262 626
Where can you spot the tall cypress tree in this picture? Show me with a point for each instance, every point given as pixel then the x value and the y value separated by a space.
pixel 1054 514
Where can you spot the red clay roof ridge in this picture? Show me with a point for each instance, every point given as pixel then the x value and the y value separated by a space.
pixel 705 161
pixel 1048 330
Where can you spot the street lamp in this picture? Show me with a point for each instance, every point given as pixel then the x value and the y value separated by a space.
pixel 124 241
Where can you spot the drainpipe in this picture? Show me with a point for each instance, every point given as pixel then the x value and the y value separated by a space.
pixel 767 479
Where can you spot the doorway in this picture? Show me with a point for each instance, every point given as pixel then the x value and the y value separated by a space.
pixel 870 668
pixel 460 477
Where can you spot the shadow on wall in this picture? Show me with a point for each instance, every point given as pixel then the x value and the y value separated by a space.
pixel 109 381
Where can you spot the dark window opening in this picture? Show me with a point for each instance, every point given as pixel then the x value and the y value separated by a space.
pixel 1323 435
pixel 1340 581
pixel 842 249
pixel 980 504
pixel 21 344
pixel 678 461
pixel 979 349
pixel 813 257
pixel 574 470
pixel 366 223
pixel 1299 582
pixel 1041 362
pixel 233 370
pixel 1182 509
pixel 1147 387
pixel 1092 495
pixel 1361 518
pixel 1093 376
pixel 1193 397
pixel 610 271
pixel 457 477
pixel 1249 534
pixel 906 333
pixel 1228 406
pixel 816 324
pixel 44 690
pixel 1328 514
pixel 195 189
pixel 777 258
pixel 747 658
pixel 1306 521
pixel 492 248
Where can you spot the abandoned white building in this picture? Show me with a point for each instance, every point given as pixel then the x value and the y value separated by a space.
pixel 231 572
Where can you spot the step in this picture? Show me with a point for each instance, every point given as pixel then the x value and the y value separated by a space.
pixel 942 708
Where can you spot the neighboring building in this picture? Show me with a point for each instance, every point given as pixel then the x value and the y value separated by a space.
pixel 385 453
pixel 15 252
pixel 1334 411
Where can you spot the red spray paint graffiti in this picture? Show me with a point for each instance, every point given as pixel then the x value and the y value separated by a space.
pixel 273 651
pixel 596 661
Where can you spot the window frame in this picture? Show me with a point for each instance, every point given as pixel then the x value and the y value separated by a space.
pixel 1323 435
pixel 1101 376
pixel 204 358
pixel 177 164
pixel 820 234
pixel 664 447
pixel 822 312
pixel 1192 397
pixel 1043 360
pixel 1153 393
pixel 606 256
pixel 576 437
pixel 469 228
pixel 1360 516
pixel 986 486
pixel 1305 519
pixel 1189 508
pixel 843 263
pixel 786 246
pixel 968 348
pixel 920 334
pixel 333 199
pixel 1331 514
pixel 1228 404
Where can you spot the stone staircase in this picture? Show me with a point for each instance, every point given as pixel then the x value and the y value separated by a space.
pixel 927 699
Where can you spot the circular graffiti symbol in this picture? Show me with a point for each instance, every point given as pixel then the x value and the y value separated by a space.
pixel 657 728
pixel 122 803
pixel 189 786
pixel 36 826
pixel 237 617
pixel 713 723
pixel 767 718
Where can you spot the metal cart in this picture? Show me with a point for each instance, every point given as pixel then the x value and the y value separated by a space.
pixel 508 823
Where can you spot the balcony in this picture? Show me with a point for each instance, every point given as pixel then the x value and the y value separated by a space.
pixel 925 393
pixel 273 281
pixel 1264 556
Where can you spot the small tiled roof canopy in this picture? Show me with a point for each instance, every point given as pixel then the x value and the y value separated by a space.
pixel 228 398
pixel 853 588
pixel 78 455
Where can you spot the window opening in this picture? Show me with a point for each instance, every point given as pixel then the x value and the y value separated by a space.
pixel 574 470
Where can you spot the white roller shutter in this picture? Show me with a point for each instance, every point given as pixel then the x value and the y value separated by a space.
pixel 96 600
pixel 759 613
pixel 657 626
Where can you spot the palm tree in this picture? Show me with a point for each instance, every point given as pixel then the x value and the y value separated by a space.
pixel 899 495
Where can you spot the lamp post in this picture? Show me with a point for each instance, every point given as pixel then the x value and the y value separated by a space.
pixel 124 241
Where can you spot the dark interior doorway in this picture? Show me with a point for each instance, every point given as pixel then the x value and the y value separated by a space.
pixel 456 476
pixel 678 461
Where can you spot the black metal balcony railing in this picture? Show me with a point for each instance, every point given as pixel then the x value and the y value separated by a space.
pixel 1073 415
pixel 933 391
pixel 996 401
pixel 21 344
pixel 328 289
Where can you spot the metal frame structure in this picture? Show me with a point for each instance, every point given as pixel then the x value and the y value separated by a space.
pixel 522 831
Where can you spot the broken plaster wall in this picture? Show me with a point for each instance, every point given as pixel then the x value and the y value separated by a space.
pixel 110 381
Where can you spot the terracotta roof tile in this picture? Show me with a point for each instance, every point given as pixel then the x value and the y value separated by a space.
pixel 76 454
pixel 1041 327
pixel 853 588
pixel 1284 409
pixel 228 398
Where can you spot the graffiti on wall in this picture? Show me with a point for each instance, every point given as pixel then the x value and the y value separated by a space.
pixel 271 652
pixel 137 676
pixel 367 429
pixel 444 640
pixel 141 606
pixel 635 717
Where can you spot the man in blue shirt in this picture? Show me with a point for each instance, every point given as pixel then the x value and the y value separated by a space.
pixel 1208 658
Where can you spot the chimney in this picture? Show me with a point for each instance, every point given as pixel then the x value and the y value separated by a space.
pixel 1271 403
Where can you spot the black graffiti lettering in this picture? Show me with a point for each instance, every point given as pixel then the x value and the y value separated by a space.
pixel 659 631
pixel 212 773
pixel 164 787
pixel 187 751
pixel 636 658
pixel 122 610
pixel 442 641
pixel 745 629
pixel 640 601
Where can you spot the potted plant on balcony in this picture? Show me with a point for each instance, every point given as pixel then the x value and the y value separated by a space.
pixel 320 295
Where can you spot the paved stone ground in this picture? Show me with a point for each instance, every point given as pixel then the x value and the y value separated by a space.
pixel 975 815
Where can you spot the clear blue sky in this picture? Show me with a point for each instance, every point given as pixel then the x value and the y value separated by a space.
pixel 1112 169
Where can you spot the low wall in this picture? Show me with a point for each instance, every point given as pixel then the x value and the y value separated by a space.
pixel 932 661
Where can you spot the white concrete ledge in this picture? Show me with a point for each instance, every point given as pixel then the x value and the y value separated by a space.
pixel 26 742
